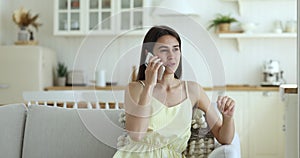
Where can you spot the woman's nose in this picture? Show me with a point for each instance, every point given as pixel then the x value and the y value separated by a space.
pixel 171 54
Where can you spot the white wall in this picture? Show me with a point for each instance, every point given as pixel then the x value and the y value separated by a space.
pixel 240 67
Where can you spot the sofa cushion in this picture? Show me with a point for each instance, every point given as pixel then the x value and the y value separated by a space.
pixel 228 151
pixel 12 128
pixel 63 133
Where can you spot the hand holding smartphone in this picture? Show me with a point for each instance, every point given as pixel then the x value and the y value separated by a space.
pixel 161 69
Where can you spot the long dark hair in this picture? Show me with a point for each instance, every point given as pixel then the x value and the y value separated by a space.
pixel 150 39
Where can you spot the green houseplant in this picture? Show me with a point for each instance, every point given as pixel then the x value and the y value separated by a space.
pixel 62 70
pixel 222 22
pixel 61 74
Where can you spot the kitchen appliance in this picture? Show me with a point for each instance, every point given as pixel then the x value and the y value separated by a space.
pixel 272 74
pixel 25 68
pixel 75 78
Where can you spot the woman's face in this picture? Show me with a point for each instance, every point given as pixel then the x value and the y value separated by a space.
pixel 168 50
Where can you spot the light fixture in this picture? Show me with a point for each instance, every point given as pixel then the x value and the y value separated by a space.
pixel 174 8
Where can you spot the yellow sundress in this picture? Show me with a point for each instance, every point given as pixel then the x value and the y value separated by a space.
pixel 167 134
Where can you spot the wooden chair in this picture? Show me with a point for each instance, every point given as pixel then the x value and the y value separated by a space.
pixel 75 98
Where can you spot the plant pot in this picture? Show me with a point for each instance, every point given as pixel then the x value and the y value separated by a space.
pixel 224 27
pixel 23 34
pixel 61 81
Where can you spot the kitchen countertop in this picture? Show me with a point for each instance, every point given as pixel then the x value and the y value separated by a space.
pixel 227 88
pixel 289 89
pixel 55 88
pixel 242 88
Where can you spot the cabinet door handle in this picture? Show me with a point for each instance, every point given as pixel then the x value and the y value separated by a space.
pixel 266 93
pixel 283 128
pixel 4 86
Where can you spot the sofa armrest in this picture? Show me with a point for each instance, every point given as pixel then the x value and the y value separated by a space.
pixel 227 151
pixel 12 123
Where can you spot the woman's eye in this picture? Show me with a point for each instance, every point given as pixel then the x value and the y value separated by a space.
pixel 176 49
pixel 163 50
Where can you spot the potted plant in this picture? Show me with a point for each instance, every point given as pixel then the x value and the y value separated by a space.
pixel 222 23
pixel 24 19
pixel 61 74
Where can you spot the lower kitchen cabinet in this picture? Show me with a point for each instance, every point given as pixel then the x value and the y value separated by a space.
pixel 291 125
pixel 258 121
pixel 241 119
pixel 266 135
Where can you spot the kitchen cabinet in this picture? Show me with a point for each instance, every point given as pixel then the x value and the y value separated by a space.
pixel 259 122
pixel 266 135
pixel 241 119
pixel 68 17
pixel 104 17
pixel 99 16
pixel 289 96
pixel 291 125
pixel 25 68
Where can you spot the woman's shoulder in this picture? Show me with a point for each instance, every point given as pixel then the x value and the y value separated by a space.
pixel 133 89
pixel 192 83
pixel 197 94
pixel 195 90
pixel 194 86
pixel 136 85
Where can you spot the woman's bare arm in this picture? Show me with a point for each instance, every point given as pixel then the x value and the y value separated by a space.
pixel 223 130
pixel 138 110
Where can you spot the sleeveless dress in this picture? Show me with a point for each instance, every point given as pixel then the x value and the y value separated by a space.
pixel 167 134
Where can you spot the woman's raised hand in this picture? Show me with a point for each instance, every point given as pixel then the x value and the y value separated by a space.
pixel 226 105
pixel 152 70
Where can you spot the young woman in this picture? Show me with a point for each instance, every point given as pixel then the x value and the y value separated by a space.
pixel 159 109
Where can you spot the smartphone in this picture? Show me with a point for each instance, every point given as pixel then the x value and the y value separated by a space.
pixel 161 69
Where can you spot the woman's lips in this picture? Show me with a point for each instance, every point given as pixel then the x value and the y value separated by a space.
pixel 170 64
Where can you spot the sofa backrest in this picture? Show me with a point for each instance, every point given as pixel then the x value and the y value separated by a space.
pixel 96 99
pixel 55 132
pixel 12 120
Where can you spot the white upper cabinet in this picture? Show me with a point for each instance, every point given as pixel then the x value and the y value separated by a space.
pixel 99 18
pixel 131 15
pixel 110 17
pixel 68 18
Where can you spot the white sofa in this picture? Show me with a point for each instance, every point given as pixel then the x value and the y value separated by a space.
pixel 53 132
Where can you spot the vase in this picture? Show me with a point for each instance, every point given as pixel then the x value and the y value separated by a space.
pixel 61 81
pixel 100 78
pixel 224 27
pixel 23 34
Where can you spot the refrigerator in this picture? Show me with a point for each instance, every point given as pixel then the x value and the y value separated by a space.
pixel 25 68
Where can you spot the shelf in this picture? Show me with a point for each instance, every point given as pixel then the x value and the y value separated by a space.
pixel 26 43
pixel 239 36
pixel 258 35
